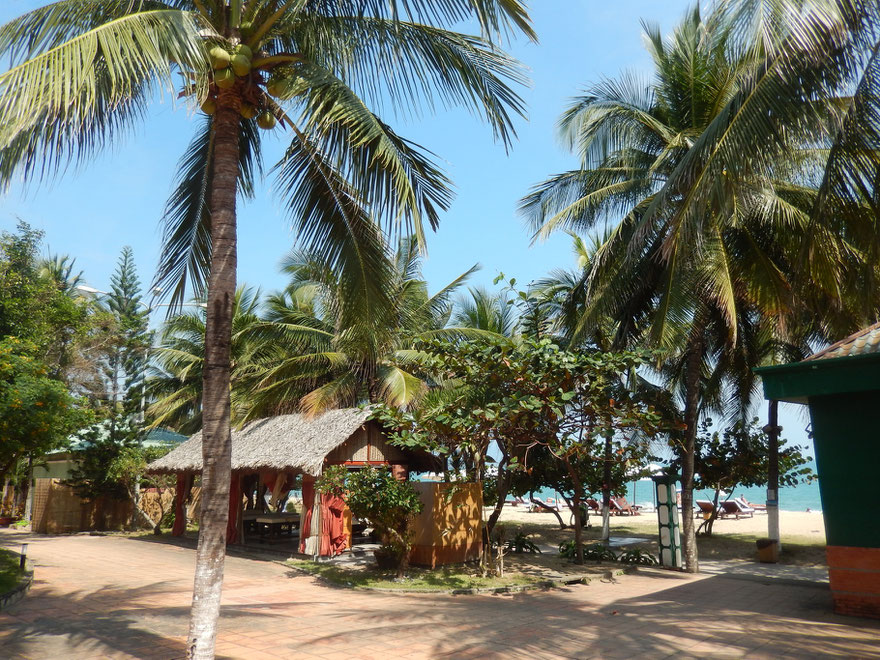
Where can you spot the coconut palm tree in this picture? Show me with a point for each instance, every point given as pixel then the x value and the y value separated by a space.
pixel 328 356
pixel 484 310
pixel 176 374
pixel 83 71
pixel 694 279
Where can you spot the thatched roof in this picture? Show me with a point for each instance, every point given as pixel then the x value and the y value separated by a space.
pixel 285 442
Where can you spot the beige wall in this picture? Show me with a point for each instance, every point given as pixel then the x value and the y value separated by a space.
pixel 58 510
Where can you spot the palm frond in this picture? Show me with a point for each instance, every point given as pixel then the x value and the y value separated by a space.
pixel 69 101
pixel 185 257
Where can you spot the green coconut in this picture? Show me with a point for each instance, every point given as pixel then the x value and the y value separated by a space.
pixel 266 120
pixel 244 49
pixel 209 107
pixel 220 58
pixel 274 88
pixel 241 65
pixel 246 30
pixel 224 78
pixel 247 111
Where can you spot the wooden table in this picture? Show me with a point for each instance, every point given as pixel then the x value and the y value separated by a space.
pixel 271 526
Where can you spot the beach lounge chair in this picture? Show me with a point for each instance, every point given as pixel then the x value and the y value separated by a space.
pixel 593 505
pixel 706 508
pixel 735 508
pixel 758 508
pixel 620 506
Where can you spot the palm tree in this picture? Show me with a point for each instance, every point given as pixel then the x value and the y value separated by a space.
pixel 176 374
pixel 483 310
pixel 82 71
pixel 694 279
pixel 326 355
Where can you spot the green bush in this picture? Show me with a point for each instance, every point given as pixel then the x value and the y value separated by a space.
pixel 637 556
pixel 594 552
pixel 375 495
pixel 522 543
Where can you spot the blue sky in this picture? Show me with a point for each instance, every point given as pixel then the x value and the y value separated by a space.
pixel 94 209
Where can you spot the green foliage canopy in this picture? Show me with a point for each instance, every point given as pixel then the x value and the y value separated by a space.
pixel 37 413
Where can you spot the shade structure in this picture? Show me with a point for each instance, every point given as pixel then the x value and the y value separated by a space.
pixel 841 386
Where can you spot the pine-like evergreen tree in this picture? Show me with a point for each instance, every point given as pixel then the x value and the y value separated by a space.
pixel 124 362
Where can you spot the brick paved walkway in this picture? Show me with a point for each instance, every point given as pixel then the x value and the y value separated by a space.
pixel 110 597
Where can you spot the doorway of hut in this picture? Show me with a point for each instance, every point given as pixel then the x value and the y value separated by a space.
pixel 282 512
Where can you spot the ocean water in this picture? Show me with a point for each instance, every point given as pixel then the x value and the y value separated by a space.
pixel 797 498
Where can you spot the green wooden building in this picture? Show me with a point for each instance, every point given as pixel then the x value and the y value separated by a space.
pixel 841 386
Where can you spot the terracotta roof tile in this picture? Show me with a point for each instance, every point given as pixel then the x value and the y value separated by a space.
pixel 863 342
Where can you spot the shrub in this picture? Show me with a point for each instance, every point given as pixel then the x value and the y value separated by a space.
pixel 596 552
pixel 522 543
pixel 388 504
pixel 637 556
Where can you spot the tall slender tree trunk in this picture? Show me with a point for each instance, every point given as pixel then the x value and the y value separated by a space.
pixel 216 439
pixel 606 490
pixel 691 418
pixel 576 510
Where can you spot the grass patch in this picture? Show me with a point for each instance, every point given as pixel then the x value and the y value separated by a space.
pixel 10 575
pixel 795 551
pixel 417 579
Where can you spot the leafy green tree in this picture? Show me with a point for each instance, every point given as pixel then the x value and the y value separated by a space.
pixel 542 469
pixel 376 495
pixel 518 395
pixel 37 413
pixel 36 308
pixel 128 469
pixel 313 68
pixel 122 356
pixel 738 455
pixel 126 358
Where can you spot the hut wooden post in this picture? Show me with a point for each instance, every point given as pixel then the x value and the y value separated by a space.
pixel 232 533
pixel 180 495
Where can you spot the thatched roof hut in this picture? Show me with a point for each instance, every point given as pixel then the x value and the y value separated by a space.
pixel 297 443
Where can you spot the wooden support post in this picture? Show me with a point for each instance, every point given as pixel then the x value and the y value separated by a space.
pixel 180 494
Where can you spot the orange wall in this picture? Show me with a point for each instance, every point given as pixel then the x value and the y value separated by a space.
pixel 448 531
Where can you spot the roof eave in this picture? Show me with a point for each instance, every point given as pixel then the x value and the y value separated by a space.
pixel 798 381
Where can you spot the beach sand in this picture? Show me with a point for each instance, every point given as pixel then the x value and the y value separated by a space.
pixel 800 527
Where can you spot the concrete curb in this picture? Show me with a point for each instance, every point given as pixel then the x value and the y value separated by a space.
pixel 18 592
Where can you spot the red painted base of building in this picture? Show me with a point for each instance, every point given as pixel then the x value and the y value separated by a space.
pixel 854 574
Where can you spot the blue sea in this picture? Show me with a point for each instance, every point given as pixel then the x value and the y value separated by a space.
pixel 797 498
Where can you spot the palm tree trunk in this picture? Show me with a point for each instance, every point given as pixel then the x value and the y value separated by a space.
pixel 691 417
pixel 216 439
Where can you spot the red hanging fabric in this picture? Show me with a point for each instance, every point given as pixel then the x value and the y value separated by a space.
pixel 333 535
pixel 305 518
pixel 234 510
pixel 180 495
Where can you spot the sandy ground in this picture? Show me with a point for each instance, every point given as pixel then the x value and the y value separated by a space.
pixel 802 527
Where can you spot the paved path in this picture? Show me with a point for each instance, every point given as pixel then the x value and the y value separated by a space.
pixel 111 597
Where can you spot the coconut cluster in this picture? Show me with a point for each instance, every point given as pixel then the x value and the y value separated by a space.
pixel 284 81
pixel 229 65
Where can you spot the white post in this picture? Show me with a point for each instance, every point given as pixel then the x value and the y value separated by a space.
pixel 773 430
pixel 606 522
